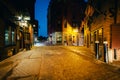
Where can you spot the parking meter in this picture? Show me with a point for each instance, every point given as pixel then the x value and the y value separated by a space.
pixel 97 49
pixel 105 51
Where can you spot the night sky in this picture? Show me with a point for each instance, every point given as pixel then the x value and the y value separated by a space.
pixel 41 15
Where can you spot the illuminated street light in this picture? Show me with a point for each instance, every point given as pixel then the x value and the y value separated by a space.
pixel 34 25
pixel 19 17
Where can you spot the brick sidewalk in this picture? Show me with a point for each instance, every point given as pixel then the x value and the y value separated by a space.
pixel 91 54
pixel 116 63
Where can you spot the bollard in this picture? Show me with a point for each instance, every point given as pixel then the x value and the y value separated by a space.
pixel 97 49
pixel 115 54
pixel 105 51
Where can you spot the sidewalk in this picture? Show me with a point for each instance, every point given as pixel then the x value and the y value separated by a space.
pixel 116 63
pixel 88 52
pixel 8 64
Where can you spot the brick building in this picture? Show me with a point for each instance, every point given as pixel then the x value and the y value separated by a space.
pixel 101 25
pixel 16 26
pixel 64 21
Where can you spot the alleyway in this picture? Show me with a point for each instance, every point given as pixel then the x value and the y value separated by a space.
pixel 57 63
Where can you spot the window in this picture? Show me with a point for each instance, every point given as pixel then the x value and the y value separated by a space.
pixel 65 24
pixel 92 38
pixel 70 37
pixel 73 39
pixel 27 36
pixel 95 35
pixel 100 37
pixel 7 36
pixel 65 38
pixel 13 36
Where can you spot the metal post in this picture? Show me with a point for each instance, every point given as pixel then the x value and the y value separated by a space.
pixel 115 56
pixel 105 51
pixel 77 40
pixel 97 49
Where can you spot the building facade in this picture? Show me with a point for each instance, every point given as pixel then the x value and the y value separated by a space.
pixel 101 27
pixel 64 21
pixel 16 26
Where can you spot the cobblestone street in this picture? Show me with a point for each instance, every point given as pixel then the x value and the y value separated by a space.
pixel 57 63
